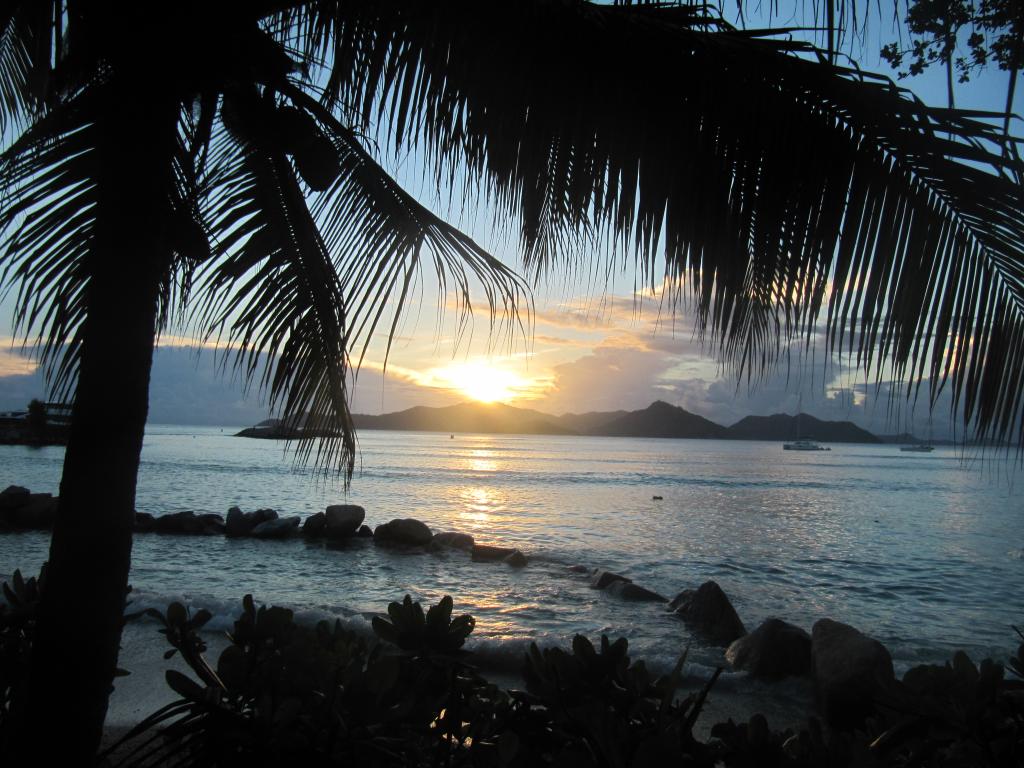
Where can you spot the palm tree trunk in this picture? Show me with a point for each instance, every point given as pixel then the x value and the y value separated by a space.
pixel 81 616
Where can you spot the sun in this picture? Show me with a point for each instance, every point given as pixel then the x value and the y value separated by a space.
pixel 482 382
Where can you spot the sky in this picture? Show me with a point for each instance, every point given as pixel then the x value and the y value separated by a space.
pixel 594 341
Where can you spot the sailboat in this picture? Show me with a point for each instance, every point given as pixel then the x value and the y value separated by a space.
pixel 800 444
pixel 921 447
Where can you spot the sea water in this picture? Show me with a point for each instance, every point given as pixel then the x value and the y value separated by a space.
pixel 925 552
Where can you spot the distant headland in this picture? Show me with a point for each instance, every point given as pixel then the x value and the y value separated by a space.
pixel 659 419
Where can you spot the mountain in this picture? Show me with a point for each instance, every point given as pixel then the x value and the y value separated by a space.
pixel 466 417
pixel 660 419
pixel 782 426
pixel 589 423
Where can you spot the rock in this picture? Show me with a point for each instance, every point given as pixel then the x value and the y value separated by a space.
pixel 237 524
pixel 343 520
pixel 406 531
pixel 144 522
pixel 211 524
pixel 851 671
pixel 278 528
pixel 517 559
pixel 13 496
pixel 36 512
pixel 364 532
pixel 657 498
pixel 242 523
pixel 263 515
pixel 774 650
pixel 579 569
pixel 603 579
pixel 176 522
pixel 627 590
pixel 451 540
pixel 314 526
pixel 708 610
pixel 487 553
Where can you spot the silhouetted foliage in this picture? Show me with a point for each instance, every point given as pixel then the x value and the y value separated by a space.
pixel 284 694
pixel 17 628
pixel 236 189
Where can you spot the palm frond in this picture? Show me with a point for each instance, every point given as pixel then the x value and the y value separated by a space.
pixel 763 175
pixel 274 290
pixel 47 215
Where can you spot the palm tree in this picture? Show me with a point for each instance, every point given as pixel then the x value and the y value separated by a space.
pixel 207 163
pixel 142 180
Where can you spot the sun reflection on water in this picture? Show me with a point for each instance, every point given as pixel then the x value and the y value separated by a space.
pixel 482 461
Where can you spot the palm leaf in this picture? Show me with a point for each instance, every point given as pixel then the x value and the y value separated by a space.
pixel 47 213
pixel 776 187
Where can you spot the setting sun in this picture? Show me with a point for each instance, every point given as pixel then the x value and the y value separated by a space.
pixel 483 382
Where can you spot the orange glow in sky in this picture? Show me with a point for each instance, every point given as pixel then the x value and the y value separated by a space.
pixel 483 382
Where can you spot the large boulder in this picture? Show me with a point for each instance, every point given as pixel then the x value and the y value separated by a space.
pixel 343 520
pixel 278 528
pixel 604 579
pixel 488 553
pixel 708 610
pixel 407 532
pixel 627 590
pixel 452 540
pixel 774 650
pixel 851 672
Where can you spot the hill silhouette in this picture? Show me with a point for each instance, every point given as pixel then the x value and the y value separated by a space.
pixel 659 419
pixel 782 426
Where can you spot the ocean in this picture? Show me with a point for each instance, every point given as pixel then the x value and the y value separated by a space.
pixel 924 552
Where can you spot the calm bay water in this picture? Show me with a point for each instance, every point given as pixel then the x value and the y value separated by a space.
pixel 922 551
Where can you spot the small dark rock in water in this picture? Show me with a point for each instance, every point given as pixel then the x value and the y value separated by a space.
pixel 263 515
pixel 774 650
pixel 278 528
pixel 314 525
pixel 343 520
pixel 709 611
pixel 242 523
pixel 13 496
pixel 238 523
pixel 627 590
pixel 34 511
pixel 579 569
pixel 177 522
pixel 851 671
pixel 404 531
pixel 604 579
pixel 517 559
pixel 487 553
pixel 144 522
pixel 212 523
pixel 451 539
pixel 364 532
pixel 656 498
